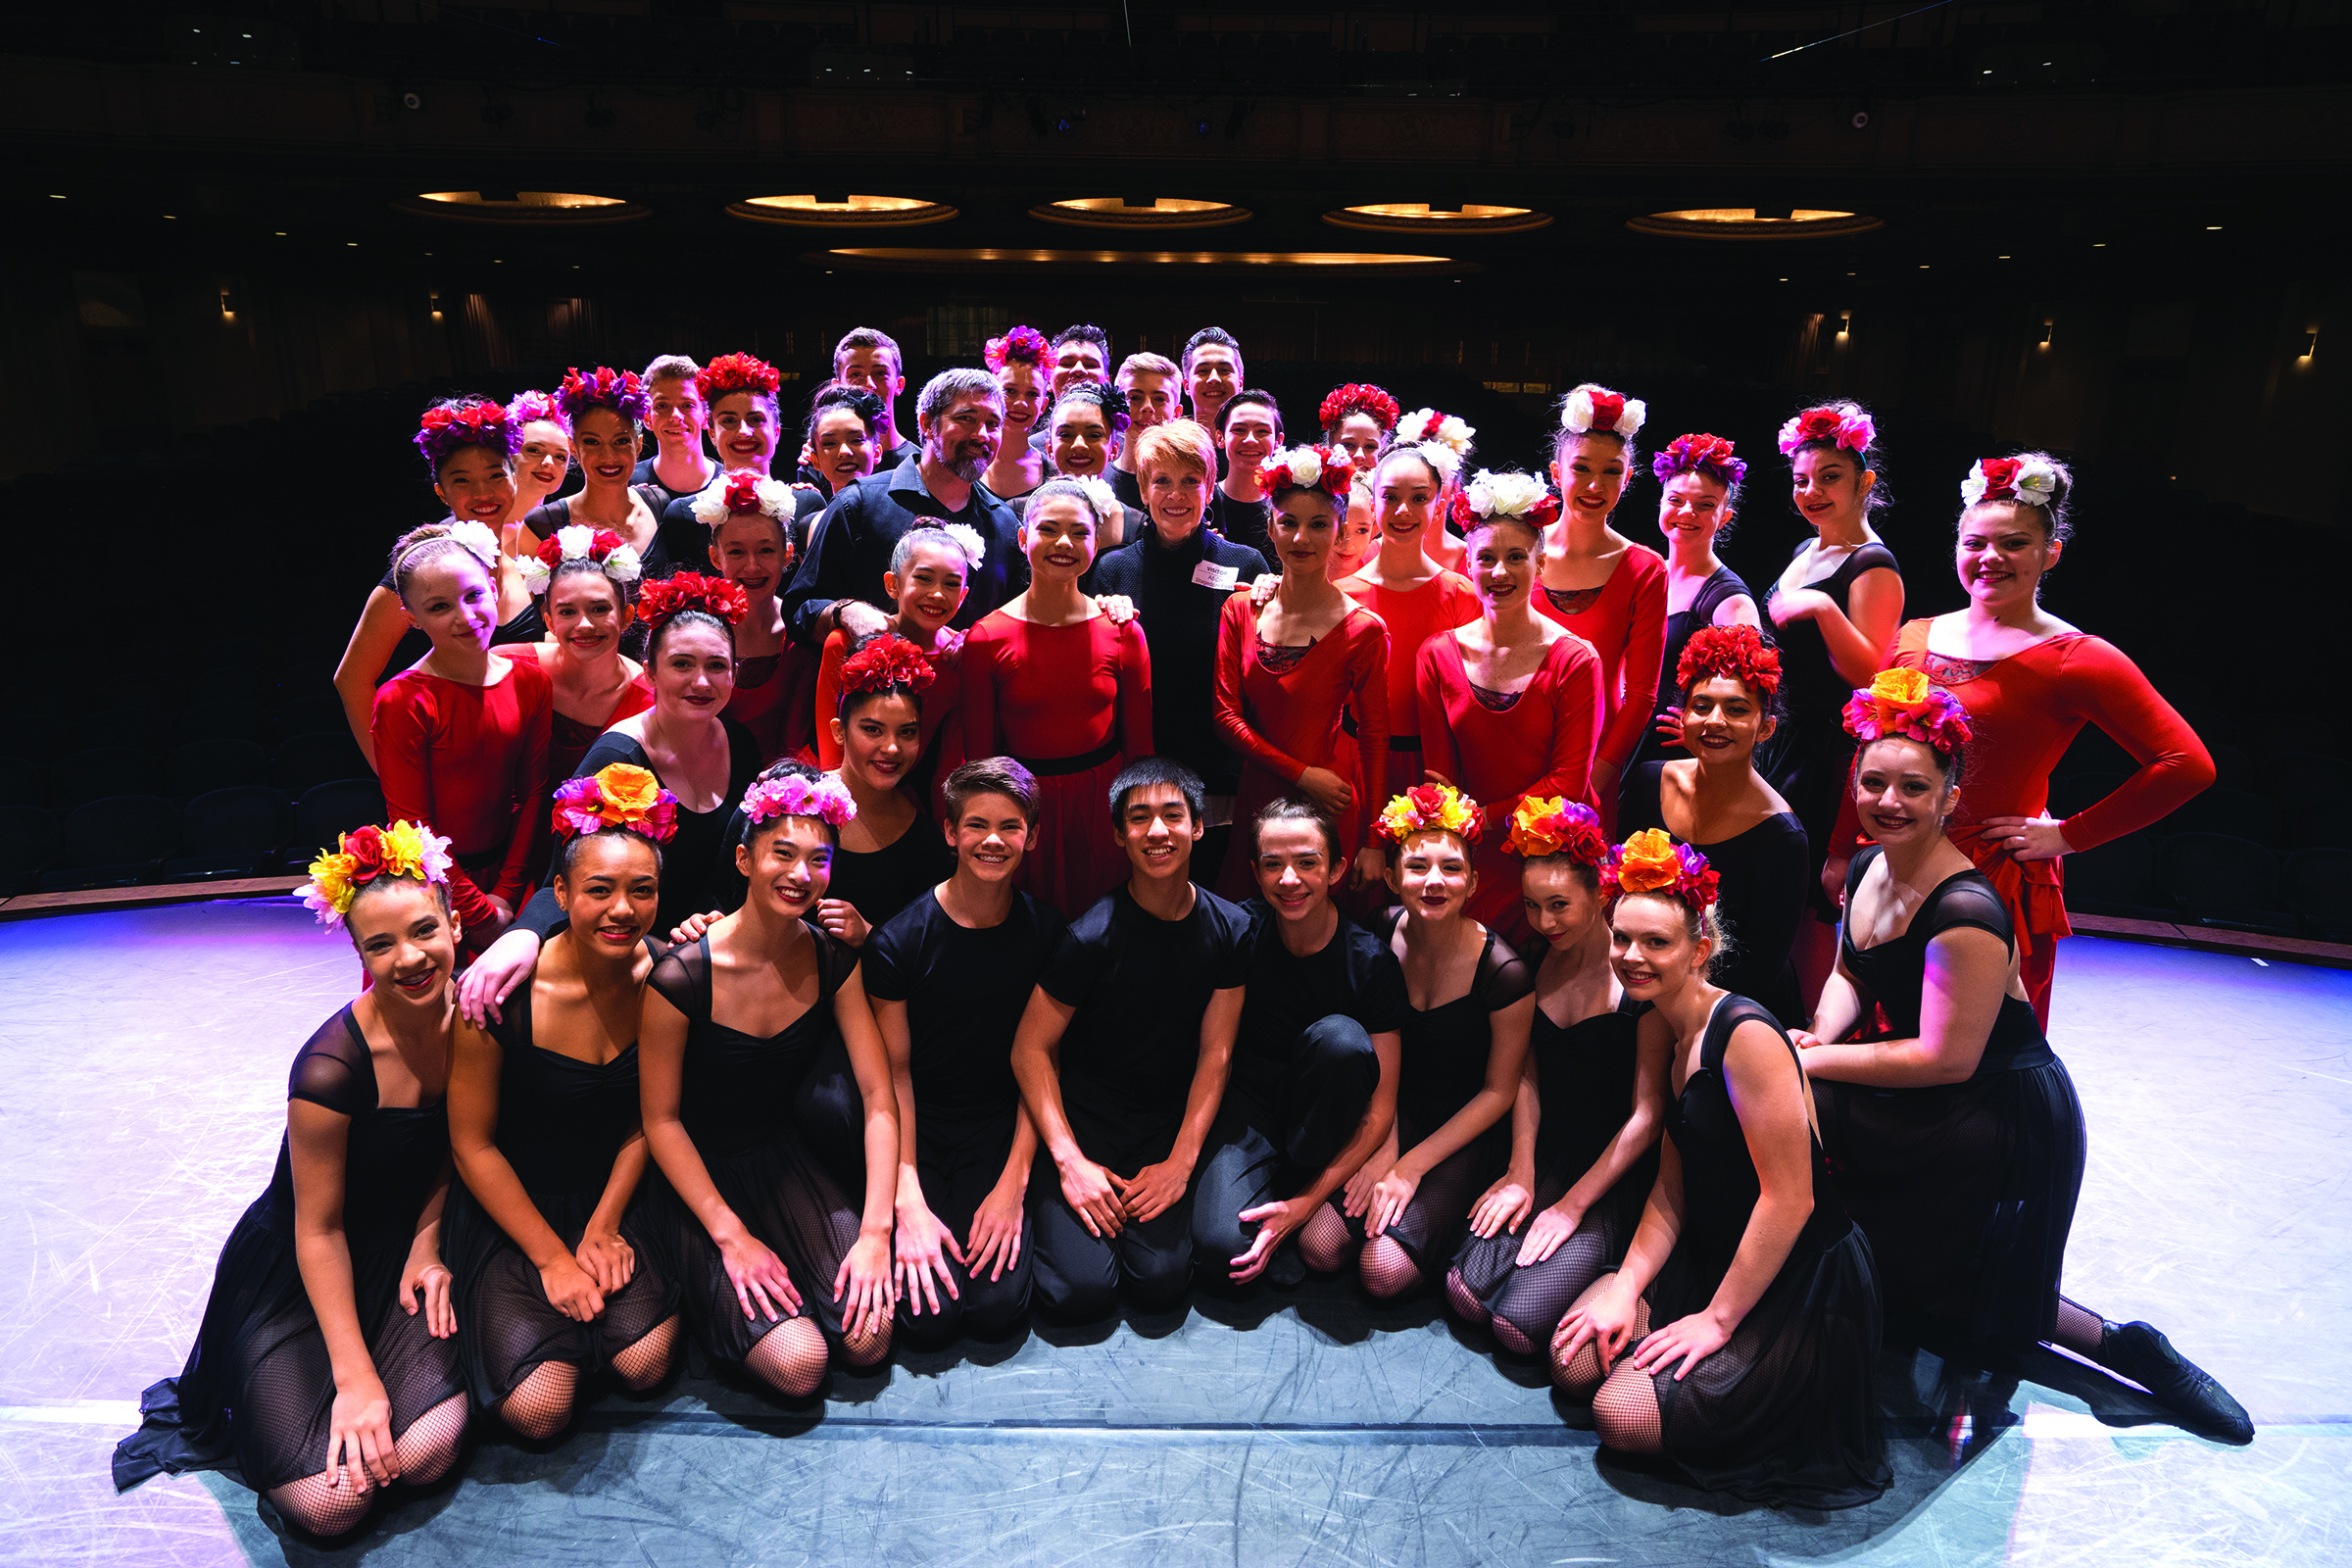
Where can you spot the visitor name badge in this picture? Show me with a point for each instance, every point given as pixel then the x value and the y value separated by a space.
pixel 1209 574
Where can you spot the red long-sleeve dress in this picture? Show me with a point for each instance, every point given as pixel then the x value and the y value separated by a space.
pixel 1497 748
pixel 1073 705
pixel 2025 710
pixel 1624 622
pixel 1280 708
pixel 1414 617
pixel 568 739
pixel 471 762
pixel 774 699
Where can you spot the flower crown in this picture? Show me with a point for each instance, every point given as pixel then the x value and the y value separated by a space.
pixel 825 798
pixel 477 424
pixel 1597 410
pixel 1430 808
pixel 1495 494
pixel 732 495
pixel 617 795
pixel 883 663
pixel 1699 454
pixel 530 406
pixel 1900 702
pixel 471 536
pixel 1847 428
pixel 738 372
pixel 1650 861
pixel 360 857
pixel 1557 827
pixel 604 388
pixel 1023 345
pixel 1732 653
pixel 1308 467
pixel 1357 397
pixel 1427 426
pixel 579 542
pixel 667 597
pixel 1112 400
pixel 2024 479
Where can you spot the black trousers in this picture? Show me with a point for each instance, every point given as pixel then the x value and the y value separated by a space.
pixel 1277 1131
pixel 1077 1276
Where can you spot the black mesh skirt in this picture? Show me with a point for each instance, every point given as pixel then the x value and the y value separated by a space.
pixel 784 1196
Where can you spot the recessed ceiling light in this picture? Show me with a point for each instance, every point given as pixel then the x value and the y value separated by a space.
pixel 2213 229
pixel 1149 211
pixel 55 197
pixel 911 259
pixel 350 244
pixel 843 210
pixel 2000 258
pixel 2098 244
pixel 533 209
pixel 1426 217
pixel 1747 223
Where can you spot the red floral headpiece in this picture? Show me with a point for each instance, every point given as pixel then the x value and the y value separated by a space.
pixel 1308 467
pixel 666 596
pixel 1556 826
pixel 1023 345
pixel 738 372
pixel 1650 861
pixel 1846 427
pixel 1358 397
pixel 883 663
pixel 604 388
pixel 1900 702
pixel 477 423
pixel 1710 455
pixel 1733 653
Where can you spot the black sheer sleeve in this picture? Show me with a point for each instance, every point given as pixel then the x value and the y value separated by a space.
pixel 333 1068
pixel 1967 901
pixel 1502 978
pixel 683 978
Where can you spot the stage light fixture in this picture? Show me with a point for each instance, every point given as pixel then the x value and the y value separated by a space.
pixel 910 259
pixel 2047 327
pixel 2311 345
pixel 1428 217
pixel 1140 211
pixel 531 209
pixel 842 209
pixel 1755 222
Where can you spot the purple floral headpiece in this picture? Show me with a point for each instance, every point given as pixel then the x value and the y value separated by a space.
pixel 476 422
pixel 1023 345
pixel 530 406
pixel 1697 454
pixel 605 388
pixel 825 798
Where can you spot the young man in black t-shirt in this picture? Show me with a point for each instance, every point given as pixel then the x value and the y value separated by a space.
pixel 1122 1058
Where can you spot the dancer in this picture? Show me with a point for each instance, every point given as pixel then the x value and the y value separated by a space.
pixel 582 578
pixel 1085 427
pixel 930 570
pixel 1510 703
pixel 557 1273
pixel 462 735
pixel 1698 493
pixel 749 521
pixel 1249 431
pixel 1716 801
pixel 541 466
pixel 1352 545
pixel 1018 360
pixel 869 359
pixel 1067 690
pixel 1591 1106
pixel 1358 420
pixel 1212 373
pixel 1289 665
pixel 1151 383
pixel 324 1369
pixel 949 976
pixel 1313 1089
pixel 1600 584
pixel 678 412
pixel 748 425
pixel 1445 440
pixel 889 855
pixel 607 410
pixel 1414 597
pixel 774 1259
pixel 1954 1129
pixel 1402 1213
pixel 1122 1058
pixel 1741 1337
pixel 2030 682
pixel 843 439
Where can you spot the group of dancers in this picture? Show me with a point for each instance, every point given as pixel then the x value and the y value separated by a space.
pixel 1326 856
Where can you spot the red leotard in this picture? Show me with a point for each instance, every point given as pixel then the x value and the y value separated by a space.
pixel 568 739
pixel 1626 624
pixel 2025 710
pixel 771 692
pixel 1540 745
pixel 1412 616
pixel 1285 723
pixel 472 762
pixel 1054 697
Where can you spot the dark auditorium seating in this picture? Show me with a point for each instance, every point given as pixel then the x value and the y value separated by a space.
pixel 302 761
pixel 2318 890
pixel 99 770
pixel 2239 813
pixel 328 810
pixel 29 842
pixel 2217 879
pixel 191 770
pixel 116 841
pixel 2116 880
pixel 230 832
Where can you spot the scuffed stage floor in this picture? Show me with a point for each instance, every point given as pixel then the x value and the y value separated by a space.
pixel 142 1080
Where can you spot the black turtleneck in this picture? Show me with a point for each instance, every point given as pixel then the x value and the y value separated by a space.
pixel 1180 592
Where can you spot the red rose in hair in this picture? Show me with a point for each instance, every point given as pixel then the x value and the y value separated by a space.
pixel 365 847
pixel 1544 512
pixel 1461 513
pixel 2000 477
pixel 605 543
pixel 1820 424
pixel 743 492
pixel 550 552
pixel 1427 801
pixel 1607 409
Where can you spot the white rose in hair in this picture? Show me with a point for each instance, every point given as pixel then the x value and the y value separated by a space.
pixel 1515 493
pixel 710 503
pixel 1307 469
pixel 575 541
pixel 1480 494
pixel 1576 412
pixel 622 565
pixel 1455 433
pixel 534 574
pixel 1413 428
pixel 478 541
pixel 1629 424
pixel 964 534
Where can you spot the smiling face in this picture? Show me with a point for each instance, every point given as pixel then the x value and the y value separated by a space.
pixel 963 439
pixel 932 588
pixel 450 599
pixel 1078 360
pixel 406 938
pixel 1652 950
pixel 477 485
pixel 1589 471
pixel 1175 495
pixel 1432 877
pixel 1360 436
pixel 1019 383
pixel 872 369
pixel 1561 898
pixel 1352 541
pixel 1827 487
pixel 1150 401
pixel 2002 550
pixel 787 864
pixel 745 429
pixel 1303 530
pixel 1059 537
pixel 748 548
pixel 678 414
pixel 845 450
pixel 1293 868
pixel 1081 439
pixel 606 446
pixel 1251 436
pixel 1213 374
pixel 1157 830
pixel 1502 561
pixel 586 613
pixel 1723 722
pixel 1900 793
pixel 880 738
pixel 1692 505
pixel 610 891
pixel 693 668
pixel 1404 496
pixel 990 836
pixel 546 454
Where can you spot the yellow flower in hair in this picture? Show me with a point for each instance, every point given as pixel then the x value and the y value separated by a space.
pixel 403 849
pixel 330 886
pixel 1648 863
pixel 1900 688
pixel 629 790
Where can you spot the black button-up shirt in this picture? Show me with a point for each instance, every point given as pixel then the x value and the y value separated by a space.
pixel 851 547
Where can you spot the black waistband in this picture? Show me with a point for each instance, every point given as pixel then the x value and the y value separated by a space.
pixel 1057 766
pixel 1405 743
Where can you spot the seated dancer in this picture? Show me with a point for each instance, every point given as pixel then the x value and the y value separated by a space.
pixel 324 1368
pixel 843 439
pixel 1953 1128
pixel 1018 360
pixel 1717 801
pixel 930 571
pixel 1055 681
pixel 608 409
pixel 2030 682
pixel 1404 1210
pixel 1358 420
pixel 1292 662
pixel 547 1232
pixel 1747 1298
pixel 1698 491
pixel 678 397
pixel 949 976
pixel 889 855
pixel 462 735
pixel 1511 701
pixel 1122 1058
pixel 582 578
pixel 1248 432
pixel 1447 440
pixel 749 521
pixel 1082 430
pixel 470 446
pixel 1314 1091
pixel 773 1258
pixel 1592 1102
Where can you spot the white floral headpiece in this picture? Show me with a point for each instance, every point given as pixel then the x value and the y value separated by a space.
pixel 580 542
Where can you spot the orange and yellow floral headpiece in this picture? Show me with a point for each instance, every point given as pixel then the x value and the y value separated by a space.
pixel 360 857
pixel 1430 808
pixel 1900 702
pixel 1557 827
pixel 617 795
pixel 1650 861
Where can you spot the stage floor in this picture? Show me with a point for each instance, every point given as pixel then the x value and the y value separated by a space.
pixel 142 1079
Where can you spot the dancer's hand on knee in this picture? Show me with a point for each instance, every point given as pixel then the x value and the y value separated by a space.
pixel 607 1259
pixel 1274 1222
pixel 1389 1195
pixel 1153 1190
pixel 1501 1206
pixel 1688 1339
pixel 1355 1193
pixel 1094 1194
pixel 995 1243
pixel 760 1278
pixel 1605 1321
pixel 425 1286
pixel 923 1247
pixel 572 1290
pixel 358 1437
pixel 1544 1234
pixel 864 1287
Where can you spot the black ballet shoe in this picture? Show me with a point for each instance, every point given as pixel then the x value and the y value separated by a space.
pixel 2145 1356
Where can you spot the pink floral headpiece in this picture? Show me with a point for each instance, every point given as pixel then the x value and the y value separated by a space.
pixel 1307 467
pixel 1847 427
pixel 1900 702
pixel 1710 455
pixel 825 798
pixel 477 423
pixel 530 406
pixel 1023 345
pixel 605 388
pixel 617 795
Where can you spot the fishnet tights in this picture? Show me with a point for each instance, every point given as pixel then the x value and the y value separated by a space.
pixel 790 1357
pixel 869 1348
pixel 541 1404
pixel 2080 1329
pixel 1625 1411
pixel 1387 1269
pixel 1468 1308
pixel 641 1365
pixel 1324 1242
pixel 423 1452
pixel 1579 1376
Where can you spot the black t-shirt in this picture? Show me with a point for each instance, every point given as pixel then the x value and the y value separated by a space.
pixel 1128 487
pixel 644 475
pixel 1354 973
pixel 1141 985
pixel 966 990
pixel 1244 522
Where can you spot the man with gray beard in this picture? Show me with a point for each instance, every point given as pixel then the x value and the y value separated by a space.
pixel 840 579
